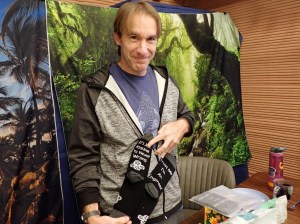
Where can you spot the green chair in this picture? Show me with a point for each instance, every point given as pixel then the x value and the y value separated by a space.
pixel 200 174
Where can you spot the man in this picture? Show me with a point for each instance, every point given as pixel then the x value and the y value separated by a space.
pixel 116 106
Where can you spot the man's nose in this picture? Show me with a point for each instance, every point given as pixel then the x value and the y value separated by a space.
pixel 142 47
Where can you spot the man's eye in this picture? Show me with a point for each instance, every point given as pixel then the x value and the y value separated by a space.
pixel 133 37
pixel 152 39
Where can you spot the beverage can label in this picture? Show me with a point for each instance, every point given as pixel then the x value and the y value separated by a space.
pixel 275 168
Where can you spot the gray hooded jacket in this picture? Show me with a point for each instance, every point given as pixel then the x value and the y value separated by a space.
pixel 104 133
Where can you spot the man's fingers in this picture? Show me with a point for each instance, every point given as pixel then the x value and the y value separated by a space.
pixel 163 150
pixel 163 155
pixel 159 152
pixel 154 140
pixel 123 220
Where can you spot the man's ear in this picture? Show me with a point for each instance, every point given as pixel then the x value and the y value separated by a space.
pixel 117 39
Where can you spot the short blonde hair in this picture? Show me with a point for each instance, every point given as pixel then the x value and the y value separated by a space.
pixel 127 10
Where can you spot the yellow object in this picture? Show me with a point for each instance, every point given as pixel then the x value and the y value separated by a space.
pixel 213 217
pixel 271 184
pixel 281 165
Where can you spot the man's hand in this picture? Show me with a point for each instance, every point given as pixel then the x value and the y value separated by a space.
pixel 171 134
pixel 97 219
pixel 108 220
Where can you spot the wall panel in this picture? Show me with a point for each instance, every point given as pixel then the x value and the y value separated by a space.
pixel 270 76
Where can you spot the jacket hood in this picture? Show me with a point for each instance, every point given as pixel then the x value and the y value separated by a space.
pixel 100 77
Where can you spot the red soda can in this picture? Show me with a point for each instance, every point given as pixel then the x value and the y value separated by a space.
pixel 275 165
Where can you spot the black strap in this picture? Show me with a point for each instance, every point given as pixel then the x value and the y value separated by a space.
pixel 139 193
pixel 154 186
pixel 132 188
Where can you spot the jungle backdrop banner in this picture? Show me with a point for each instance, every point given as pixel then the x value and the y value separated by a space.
pixel 201 52
pixel 30 189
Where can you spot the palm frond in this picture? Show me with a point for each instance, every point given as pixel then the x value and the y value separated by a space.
pixel 6 102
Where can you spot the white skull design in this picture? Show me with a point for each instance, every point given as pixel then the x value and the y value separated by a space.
pixel 143 218
pixel 137 165
pixel 119 198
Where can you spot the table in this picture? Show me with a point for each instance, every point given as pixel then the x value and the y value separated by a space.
pixel 258 181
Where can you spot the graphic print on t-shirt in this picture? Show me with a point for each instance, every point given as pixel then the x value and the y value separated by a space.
pixel 142 95
pixel 148 114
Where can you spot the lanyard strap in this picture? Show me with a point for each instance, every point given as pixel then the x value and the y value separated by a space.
pixel 131 192
pixel 140 192
pixel 154 186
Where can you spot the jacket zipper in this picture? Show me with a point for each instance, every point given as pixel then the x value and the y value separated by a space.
pixel 98 86
pixel 160 115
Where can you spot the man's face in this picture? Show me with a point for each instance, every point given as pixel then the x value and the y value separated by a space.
pixel 138 44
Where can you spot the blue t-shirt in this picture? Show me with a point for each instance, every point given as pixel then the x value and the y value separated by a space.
pixel 142 95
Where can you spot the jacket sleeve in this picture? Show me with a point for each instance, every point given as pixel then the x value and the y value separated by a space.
pixel 183 111
pixel 84 147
